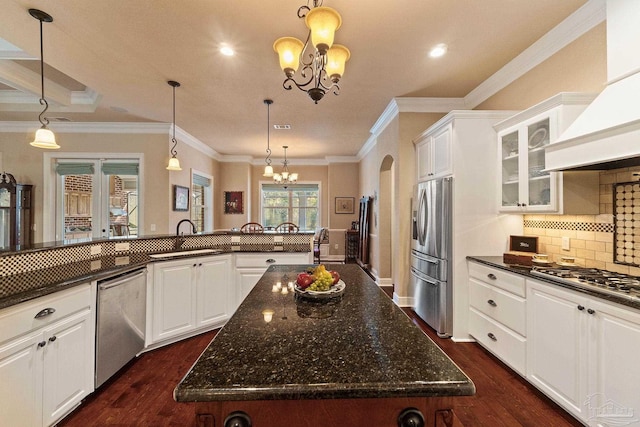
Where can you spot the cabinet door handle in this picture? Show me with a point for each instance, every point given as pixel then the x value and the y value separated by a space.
pixel 53 338
pixel 493 337
pixel 42 344
pixel 524 204
pixel 591 311
pixel 492 303
pixel 580 307
pixel 45 312
pixel 491 276
pixel 200 265
pixel 270 261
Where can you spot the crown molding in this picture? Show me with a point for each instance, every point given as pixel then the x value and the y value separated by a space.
pixel 192 141
pixel 368 146
pixel 578 23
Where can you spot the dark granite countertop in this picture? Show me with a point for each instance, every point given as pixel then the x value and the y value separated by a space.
pixel 359 346
pixel 18 288
pixel 497 262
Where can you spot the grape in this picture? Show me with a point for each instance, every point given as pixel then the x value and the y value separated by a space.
pixel 323 279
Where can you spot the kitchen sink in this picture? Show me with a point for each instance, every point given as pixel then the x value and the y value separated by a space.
pixel 186 253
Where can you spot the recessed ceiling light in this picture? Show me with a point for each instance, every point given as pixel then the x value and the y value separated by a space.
pixel 227 51
pixel 438 50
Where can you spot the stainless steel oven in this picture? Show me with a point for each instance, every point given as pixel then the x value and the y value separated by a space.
pixel 120 323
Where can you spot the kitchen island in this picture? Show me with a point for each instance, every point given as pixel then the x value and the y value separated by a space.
pixel 357 360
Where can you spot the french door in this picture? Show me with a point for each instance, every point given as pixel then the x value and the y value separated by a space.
pixel 96 198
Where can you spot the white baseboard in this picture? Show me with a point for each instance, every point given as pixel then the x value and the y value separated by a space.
pixel 402 301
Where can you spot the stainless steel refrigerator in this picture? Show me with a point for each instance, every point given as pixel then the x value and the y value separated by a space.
pixel 431 253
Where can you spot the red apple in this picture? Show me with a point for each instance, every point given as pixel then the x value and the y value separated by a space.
pixel 335 275
pixel 304 280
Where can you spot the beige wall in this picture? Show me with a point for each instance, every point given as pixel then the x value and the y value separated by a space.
pixel 394 147
pixel 26 164
pixel 343 181
pixel 579 67
pixel 336 180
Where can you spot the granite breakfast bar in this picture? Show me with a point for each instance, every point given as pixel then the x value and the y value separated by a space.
pixel 357 360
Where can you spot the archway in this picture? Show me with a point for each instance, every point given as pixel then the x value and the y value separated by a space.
pixel 384 209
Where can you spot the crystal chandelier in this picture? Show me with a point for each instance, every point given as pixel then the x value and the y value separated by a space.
pixel 285 177
pixel 325 66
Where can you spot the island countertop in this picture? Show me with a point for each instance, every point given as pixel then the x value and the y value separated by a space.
pixel 359 346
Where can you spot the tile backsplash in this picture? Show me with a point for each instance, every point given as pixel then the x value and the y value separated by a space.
pixel 591 237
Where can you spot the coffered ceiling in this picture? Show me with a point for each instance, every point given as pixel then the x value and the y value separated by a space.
pixel 109 61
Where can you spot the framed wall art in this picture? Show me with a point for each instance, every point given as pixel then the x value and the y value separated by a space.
pixel 180 198
pixel 344 205
pixel 233 202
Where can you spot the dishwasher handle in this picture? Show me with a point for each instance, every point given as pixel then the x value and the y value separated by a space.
pixel 120 280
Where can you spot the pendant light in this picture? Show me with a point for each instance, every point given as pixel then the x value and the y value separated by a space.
pixel 268 169
pixel 44 138
pixel 174 163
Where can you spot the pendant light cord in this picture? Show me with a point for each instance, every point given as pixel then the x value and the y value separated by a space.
pixel 174 153
pixel 268 159
pixel 43 120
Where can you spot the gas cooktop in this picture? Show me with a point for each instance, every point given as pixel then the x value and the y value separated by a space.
pixel 603 281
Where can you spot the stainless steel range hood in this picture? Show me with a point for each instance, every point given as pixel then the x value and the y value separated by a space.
pixel 607 134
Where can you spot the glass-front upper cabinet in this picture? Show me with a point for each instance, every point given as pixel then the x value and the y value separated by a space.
pixel 525 185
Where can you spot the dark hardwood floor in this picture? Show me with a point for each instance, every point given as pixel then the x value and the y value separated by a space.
pixel 141 394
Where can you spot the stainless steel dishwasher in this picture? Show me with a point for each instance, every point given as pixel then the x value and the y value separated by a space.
pixel 120 323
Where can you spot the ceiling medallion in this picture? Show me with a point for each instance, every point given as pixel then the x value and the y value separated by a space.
pixel 325 66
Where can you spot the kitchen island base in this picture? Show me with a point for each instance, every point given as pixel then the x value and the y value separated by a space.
pixel 383 412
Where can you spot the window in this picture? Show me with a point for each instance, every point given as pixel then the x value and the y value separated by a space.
pixel 298 203
pixel 201 201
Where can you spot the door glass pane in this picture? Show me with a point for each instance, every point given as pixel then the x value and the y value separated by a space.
pixel 539 180
pixel 123 205
pixel 510 169
pixel 77 201
pixel 198 204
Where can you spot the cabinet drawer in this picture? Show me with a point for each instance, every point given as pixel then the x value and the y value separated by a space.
pixel 502 279
pixel 504 307
pixel 502 342
pixel 20 319
pixel 265 259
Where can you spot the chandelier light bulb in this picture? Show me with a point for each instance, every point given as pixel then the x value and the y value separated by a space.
pixel 268 171
pixel 337 57
pixel 323 23
pixel 289 50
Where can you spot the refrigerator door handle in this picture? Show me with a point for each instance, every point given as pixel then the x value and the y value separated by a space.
pixel 424 278
pixel 421 218
pixel 423 257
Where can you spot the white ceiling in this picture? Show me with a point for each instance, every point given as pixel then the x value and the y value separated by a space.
pixel 109 61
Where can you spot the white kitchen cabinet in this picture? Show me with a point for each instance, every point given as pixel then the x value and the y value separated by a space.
pixel 47 362
pixel 190 294
pixel 433 153
pixel 251 266
pixel 525 186
pixel 473 167
pixel 497 313
pixel 581 352
pixel 214 290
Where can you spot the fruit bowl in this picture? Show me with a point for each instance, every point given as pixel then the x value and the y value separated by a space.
pixel 334 291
